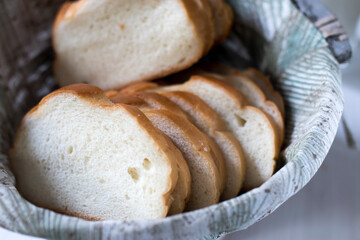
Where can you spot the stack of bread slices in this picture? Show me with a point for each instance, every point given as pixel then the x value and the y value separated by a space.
pixel 144 150
pixel 148 150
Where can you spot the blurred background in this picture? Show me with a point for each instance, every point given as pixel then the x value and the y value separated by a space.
pixel 329 206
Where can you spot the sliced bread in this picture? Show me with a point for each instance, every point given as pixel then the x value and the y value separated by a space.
pixel 252 127
pixel 205 178
pixel 182 191
pixel 78 153
pixel 265 85
pixel 99 42
pixel 157 101
pixel 251 91
pixel 208 121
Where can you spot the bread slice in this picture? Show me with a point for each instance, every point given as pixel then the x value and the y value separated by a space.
pixel 156 101
pixel 251 91
pixel 99 42
pixel 80 154
pixel 256 98
pixel 252 127
pixel 205 178
pixel 265 85
pixel 182 191
pixel 208 121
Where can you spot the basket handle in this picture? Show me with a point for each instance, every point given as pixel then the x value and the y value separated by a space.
pixel 329 26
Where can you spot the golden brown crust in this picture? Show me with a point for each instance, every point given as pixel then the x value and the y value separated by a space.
pixel 229 17
pixel 79 89
pixel 185 184
pixel 96 96
pixel 147 99
pixel 127 99
pixel 234 93
pixel 158 101
pixel 138 87
pixel 219 161
pixel 200 14
pixel 266 86
pixel 186 98
pixel 231 191
pixel 67 11
pixel 111 93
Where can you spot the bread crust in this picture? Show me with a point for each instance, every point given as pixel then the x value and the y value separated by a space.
pixel 96 97
pixel 265 85
pixel 199 12
pixel 223 19
pixel 229 17
pixel 138 87
pixel 209 116
pixel 158 101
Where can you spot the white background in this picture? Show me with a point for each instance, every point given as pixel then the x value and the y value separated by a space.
pixel 329 205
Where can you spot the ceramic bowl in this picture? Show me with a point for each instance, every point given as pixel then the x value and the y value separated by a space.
pixel 299 44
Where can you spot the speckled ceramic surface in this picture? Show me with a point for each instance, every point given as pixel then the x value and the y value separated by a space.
pixel 272 35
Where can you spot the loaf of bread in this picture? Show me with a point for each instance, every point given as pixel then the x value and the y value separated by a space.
pixel 80 154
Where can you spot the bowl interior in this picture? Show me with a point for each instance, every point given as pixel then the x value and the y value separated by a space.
pixel 271 35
